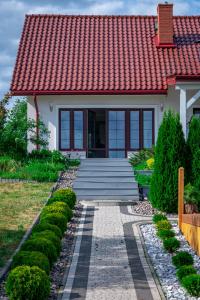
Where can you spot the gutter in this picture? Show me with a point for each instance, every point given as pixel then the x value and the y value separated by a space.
pixel 37 120
pixel 91 92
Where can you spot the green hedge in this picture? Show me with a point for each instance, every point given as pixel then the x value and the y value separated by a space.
pixel 49 235
pixel 56 219
pixel 31 258
pixel 171 244
pixel 158 217
pixel 58 207
pixel 65 195
pixel 192 284
pixel 185 271
pixel 163 225
pixel 28 283
pixel 182 258
pixel 47 226
pixel 165 233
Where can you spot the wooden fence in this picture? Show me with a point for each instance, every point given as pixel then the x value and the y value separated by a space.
pixel 189 224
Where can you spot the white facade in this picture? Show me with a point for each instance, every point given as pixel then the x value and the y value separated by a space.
pixel 49 105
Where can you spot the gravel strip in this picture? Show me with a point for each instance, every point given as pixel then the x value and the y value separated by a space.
pixel 67 178
pixel 162 262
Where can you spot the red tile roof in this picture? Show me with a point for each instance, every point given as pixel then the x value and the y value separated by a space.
pixel 102 54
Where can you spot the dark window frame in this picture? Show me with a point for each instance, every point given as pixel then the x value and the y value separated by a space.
pixel 196 109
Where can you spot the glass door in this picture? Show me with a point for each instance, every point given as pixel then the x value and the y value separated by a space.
pixel 116 134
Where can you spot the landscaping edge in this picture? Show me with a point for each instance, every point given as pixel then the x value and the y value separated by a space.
pixel 6 268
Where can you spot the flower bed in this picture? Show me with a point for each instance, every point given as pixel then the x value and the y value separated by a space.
pixel 162 261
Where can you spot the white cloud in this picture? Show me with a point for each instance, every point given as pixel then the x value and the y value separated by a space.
pixel 12 5
pixel 6 59
pixel 6 72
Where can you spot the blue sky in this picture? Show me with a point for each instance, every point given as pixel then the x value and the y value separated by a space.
pixel 12 14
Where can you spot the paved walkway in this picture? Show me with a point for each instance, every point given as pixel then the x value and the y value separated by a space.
pixel 108 261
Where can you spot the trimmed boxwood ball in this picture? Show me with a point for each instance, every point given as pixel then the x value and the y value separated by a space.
pixel 56 219
pixel 31 258
pixel 48 226
pixel 66 195
pixel 165 233
pixel 58 207
pixel 163 224
pixel 182 258
pixel 49 235
pixel 185 271
pixel 192 284
pixel 171 244
pixel 42 245
pixel 158 217
pixel 28 283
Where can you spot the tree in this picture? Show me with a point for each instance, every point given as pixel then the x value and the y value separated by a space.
pixel 193 145
pixel 3 114
pixel 169 156
pixel 17 130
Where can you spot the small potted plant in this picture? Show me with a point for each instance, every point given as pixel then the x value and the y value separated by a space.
pixel 191 199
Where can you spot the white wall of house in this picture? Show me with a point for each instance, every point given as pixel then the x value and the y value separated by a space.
pixel 50 116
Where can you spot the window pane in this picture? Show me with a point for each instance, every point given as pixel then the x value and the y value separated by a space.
pixel 65 129
pixel 78 129
pixel 197 113
pixel 134 130
pixel 116 154
pixel 116 129
pixel 147 129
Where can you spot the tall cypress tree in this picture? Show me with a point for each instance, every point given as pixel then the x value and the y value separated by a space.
pixel 169 156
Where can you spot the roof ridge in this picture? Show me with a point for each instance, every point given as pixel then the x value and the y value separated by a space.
pixel 107 16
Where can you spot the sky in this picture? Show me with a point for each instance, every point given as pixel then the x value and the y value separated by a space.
pixel 12 13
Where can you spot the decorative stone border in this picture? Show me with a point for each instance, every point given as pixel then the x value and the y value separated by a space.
pixel 6 268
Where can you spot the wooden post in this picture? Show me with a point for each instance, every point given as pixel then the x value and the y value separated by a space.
pixel 180 195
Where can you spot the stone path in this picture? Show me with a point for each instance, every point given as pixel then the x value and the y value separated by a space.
pixel 108 261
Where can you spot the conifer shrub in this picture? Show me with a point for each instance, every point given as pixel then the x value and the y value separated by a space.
pixel 169 156
pixel 56 219
pixel 158 217
pixel 163 225
pixel 49 235
pixel 196 171
pixel 30 283
pixel 185 271
pixel 182 258
pixel 171 244
pixel 47 226
pixel 192 284
pixel 65 195
pixel 31 258
pixel 165 233
pixel 58 207
pixel 42 245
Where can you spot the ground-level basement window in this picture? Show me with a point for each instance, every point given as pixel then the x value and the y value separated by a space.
pixel 106 132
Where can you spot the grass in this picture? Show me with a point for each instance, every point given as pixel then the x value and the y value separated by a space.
pixel 19 205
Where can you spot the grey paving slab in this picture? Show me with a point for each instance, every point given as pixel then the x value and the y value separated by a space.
pixel 106 179
pixel 105 185
pixel 106 192
pixel 104 174
pixel 106 168
pixel 117 199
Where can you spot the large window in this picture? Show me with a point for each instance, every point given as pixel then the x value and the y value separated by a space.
pixel 196 112
pixel 71 129
pixel 141 128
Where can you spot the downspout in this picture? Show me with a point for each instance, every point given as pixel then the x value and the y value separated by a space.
pixel 36 120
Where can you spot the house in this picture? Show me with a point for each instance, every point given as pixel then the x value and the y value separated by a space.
pixel 102 83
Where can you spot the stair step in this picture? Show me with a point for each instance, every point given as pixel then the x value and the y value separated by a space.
pixel 104 185
pixel 106 164
pixel 117 180
pixel 105 169
pixel 106 192
pixel 114 198
pixel 104 174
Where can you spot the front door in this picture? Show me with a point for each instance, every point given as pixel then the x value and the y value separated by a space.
pixel 96 133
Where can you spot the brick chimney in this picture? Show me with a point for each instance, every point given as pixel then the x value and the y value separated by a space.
pixel 165 24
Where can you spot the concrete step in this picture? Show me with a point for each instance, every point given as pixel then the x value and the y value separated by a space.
pixel 104 174
pixel 105 185
pixel 106 192
pixel 106 169
pixel 117 180
pixel 106 164
pixel 114 199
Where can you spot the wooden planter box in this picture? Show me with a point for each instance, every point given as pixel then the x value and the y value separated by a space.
pixel 191 229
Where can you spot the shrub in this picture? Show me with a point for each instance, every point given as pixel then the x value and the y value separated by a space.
pixel 185 271
pixel 191 193
pixel 158 217
pixel 196 172
pixel 171 244
pixel 56 219
pixel 141 156
pixel 58 207
pixel 64 195
pixel 28 283
pixel 169 156
pixel 182 258
pixel 150 163
pixel 49 235
pixel 7 164
pixel 47 226
pixel 42 245
pixel 163 225
pixel 31 258
pixel 165 233
pixel 192 284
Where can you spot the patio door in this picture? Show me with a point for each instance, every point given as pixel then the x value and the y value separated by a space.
pixel 116 134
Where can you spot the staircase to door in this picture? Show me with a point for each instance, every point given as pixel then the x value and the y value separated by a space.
pixel 107 180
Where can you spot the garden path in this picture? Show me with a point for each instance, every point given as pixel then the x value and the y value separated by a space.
pixel 109 261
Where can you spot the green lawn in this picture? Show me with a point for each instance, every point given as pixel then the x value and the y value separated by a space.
pixel 19 205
